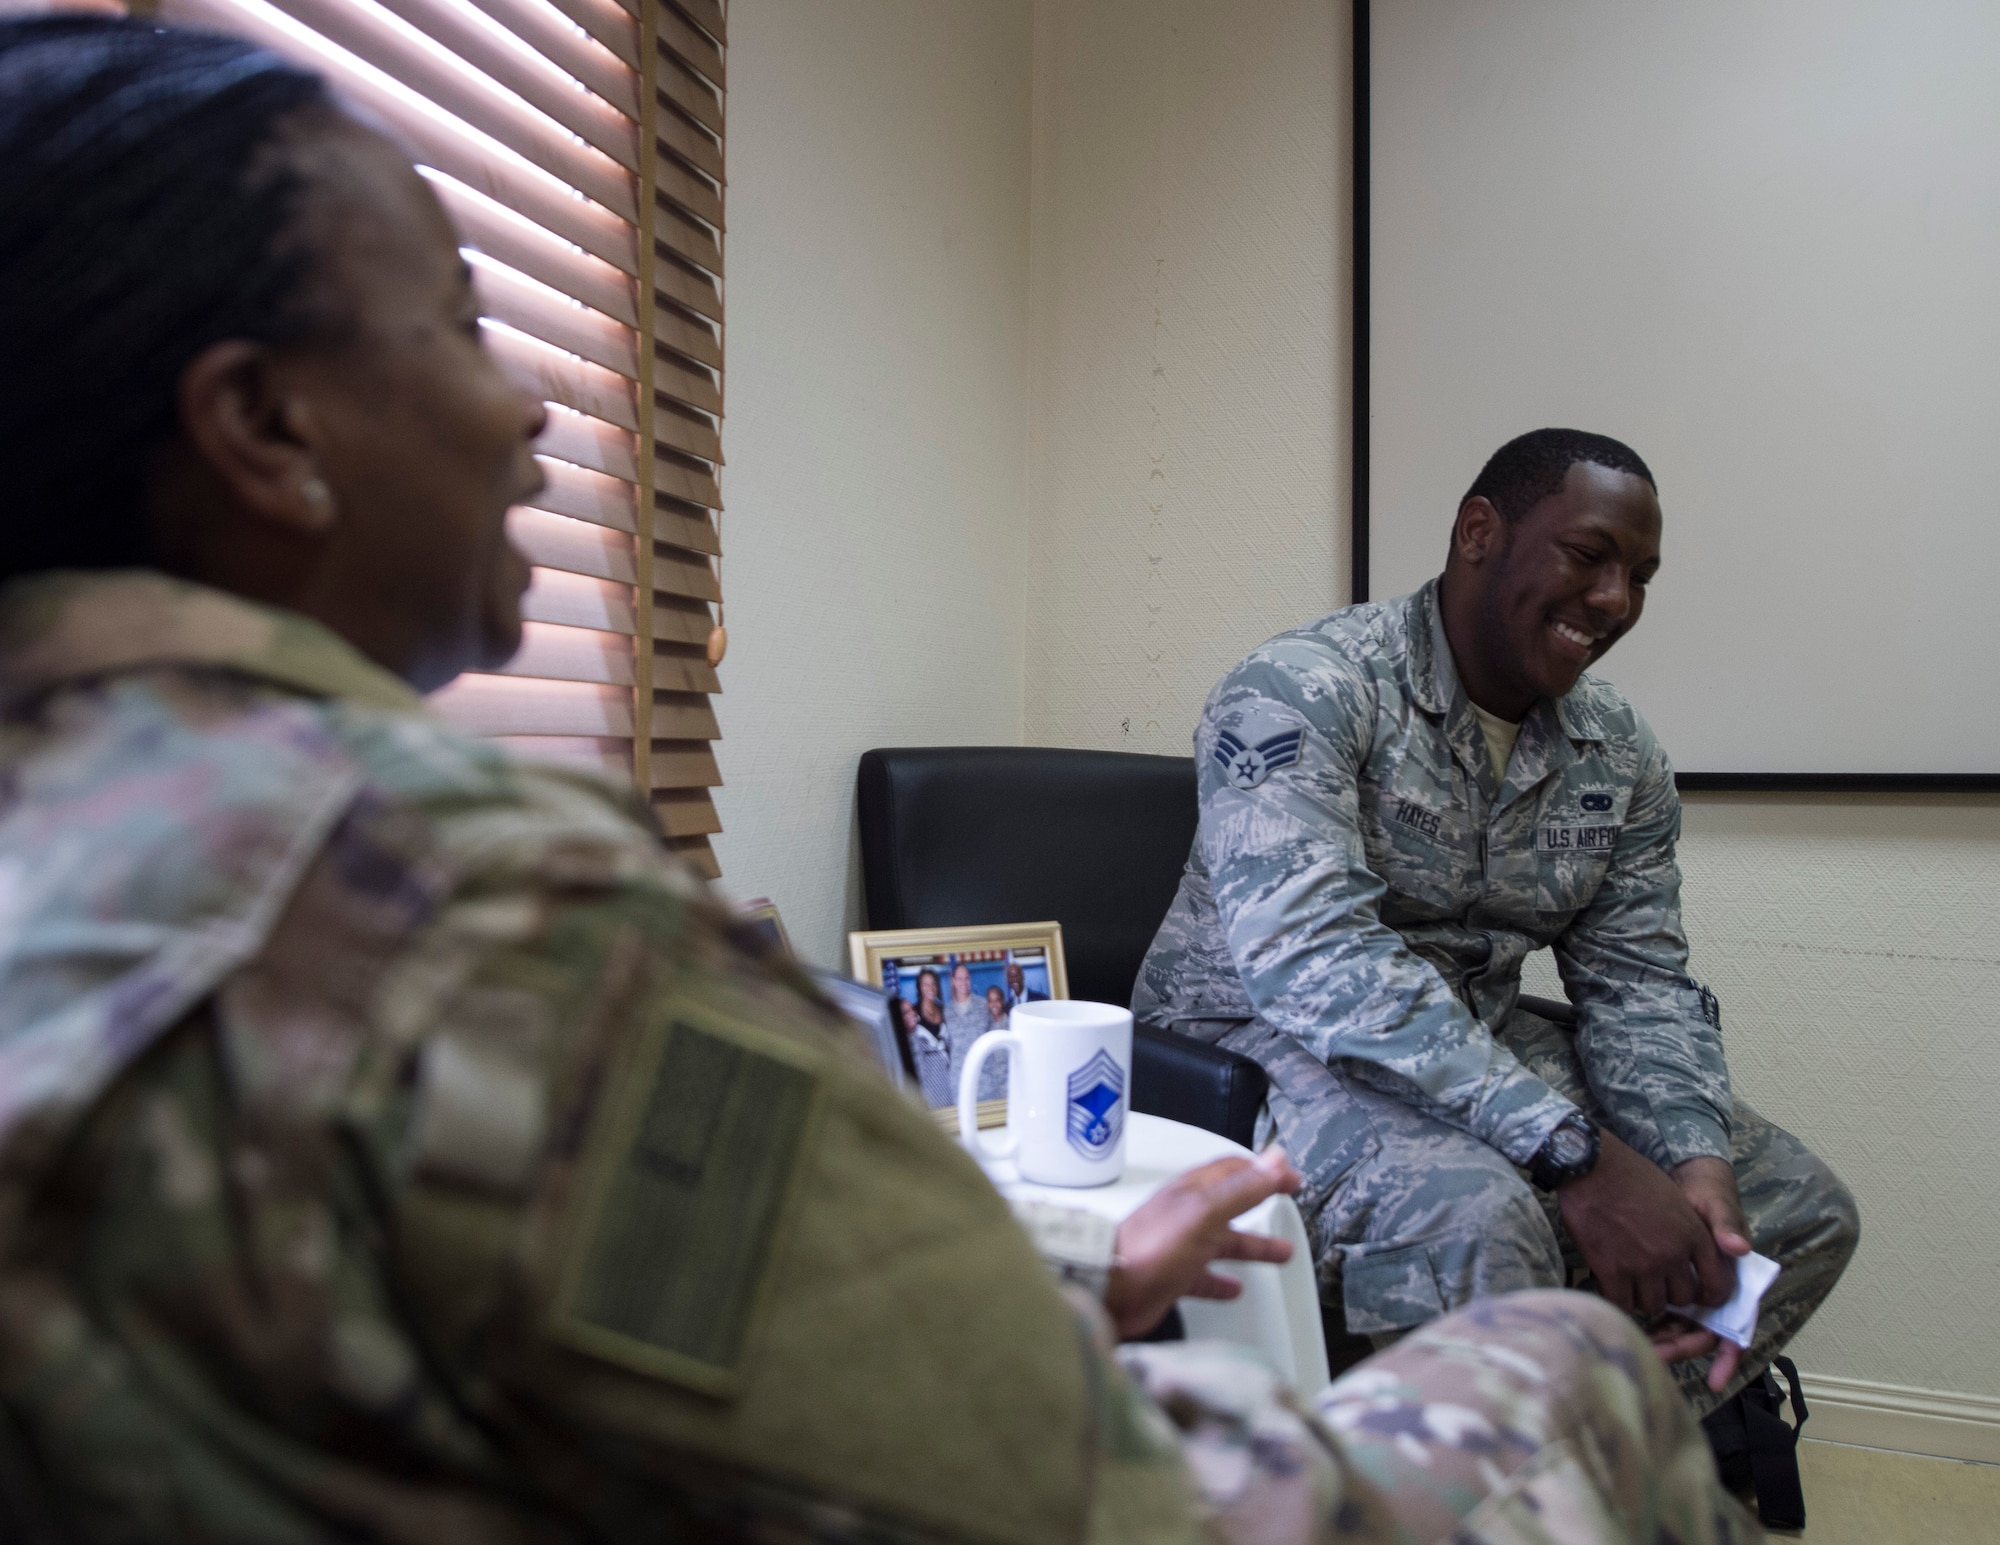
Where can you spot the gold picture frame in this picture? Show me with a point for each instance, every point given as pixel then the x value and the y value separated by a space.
pixel 883 958
pixel 760 915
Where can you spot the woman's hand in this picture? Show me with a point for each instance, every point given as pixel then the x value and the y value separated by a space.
pixel 1165 1248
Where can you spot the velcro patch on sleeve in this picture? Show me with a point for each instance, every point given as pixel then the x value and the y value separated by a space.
pixel 689 1178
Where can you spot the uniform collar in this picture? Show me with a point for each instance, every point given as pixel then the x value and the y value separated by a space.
pixel 1549 734
pixel 62 627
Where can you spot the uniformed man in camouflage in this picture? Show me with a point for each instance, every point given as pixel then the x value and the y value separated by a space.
pixel 396 1144
pixel 1399 803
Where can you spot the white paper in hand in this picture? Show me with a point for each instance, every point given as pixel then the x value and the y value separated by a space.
pixel 1737 1320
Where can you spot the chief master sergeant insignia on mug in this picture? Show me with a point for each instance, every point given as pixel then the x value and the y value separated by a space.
pixel 1247 766
pixel 1096 1105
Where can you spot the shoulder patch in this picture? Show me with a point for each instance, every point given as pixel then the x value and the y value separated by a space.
pixel 688 1183
pixel 1246 766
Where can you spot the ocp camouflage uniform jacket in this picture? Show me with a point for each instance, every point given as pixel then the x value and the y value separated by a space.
pixel 396 1144
pixel 1361 883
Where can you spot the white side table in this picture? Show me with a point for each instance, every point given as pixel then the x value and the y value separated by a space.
pixel 1278 1310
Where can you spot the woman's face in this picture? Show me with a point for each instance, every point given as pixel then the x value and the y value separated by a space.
pixel 927 987
pixel 421 439
pixel 996 1003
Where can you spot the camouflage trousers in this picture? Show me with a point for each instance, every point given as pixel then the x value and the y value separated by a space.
pixel 1411 1217
pixel 1534 1419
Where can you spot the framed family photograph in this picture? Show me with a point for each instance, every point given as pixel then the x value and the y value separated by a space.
pixel 946 988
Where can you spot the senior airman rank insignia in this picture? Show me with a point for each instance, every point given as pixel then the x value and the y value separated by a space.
pixel 1246 766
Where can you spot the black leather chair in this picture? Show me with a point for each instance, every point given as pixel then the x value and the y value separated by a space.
pixel 1093 839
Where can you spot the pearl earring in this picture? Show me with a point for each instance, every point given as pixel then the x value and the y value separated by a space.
pixel 318 497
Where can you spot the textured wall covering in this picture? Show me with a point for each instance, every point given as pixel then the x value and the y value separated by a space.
pixel 1186 464
pixel 878 295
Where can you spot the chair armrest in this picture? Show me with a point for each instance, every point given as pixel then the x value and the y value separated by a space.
pixel 1554 1010
pixel 1203 1086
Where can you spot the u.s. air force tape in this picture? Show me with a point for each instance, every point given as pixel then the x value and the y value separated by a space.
pixel 688 1181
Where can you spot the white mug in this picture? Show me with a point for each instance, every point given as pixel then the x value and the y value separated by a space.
pixel 1069 1087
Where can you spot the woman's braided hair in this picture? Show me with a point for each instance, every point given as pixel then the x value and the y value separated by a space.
pixel 144 215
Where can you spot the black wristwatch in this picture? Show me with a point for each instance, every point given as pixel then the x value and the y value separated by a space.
pixel 1568 1153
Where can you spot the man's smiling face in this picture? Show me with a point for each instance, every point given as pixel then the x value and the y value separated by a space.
pixel 1557 588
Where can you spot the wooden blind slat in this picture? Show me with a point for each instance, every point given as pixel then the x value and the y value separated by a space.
pixel 705 14
pixel 679 481
pixel 511 705
pixel 544 29
pixel 538 254
pixel 687 672
pixel 531 76
pixel 684 765
pixel 555 376
pixel 686 813
pixel 695 194
pixel 607 23
pixel 508 122
pixel 687 237
pixel 557 321
pixel 686 528
pixel 573 546
pixel 687 433
pixel 697 291
pixel 690 384
pixel 577 601
pixel 587 495
pixel 691 94
pixel 592 443
pixel 571 654
pixel 581 753
pixel 691 45
pixel 692 143
pixel 684 716
pixel 677 574
pixel 677 620
pixel 689 335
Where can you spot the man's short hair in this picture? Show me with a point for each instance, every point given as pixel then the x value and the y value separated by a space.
pixel 1530 467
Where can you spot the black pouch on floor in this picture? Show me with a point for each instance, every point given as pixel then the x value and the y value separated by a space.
pixel 1756 1450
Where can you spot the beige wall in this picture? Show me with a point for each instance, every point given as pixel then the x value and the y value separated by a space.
pixel 878 318
pixel 1187 462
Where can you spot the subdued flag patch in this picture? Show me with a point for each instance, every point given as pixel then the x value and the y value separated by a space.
pixel 689 1176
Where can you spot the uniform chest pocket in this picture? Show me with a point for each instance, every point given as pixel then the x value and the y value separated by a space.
pixel 1571 857
pixel 1420 842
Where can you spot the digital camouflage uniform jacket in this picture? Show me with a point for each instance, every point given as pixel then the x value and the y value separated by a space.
pixel 1361 884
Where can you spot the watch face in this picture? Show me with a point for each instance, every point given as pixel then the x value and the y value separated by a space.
pixel 1569 1147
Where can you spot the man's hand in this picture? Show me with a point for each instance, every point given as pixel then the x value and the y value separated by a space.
pixel 1652 1240
pixel 1164 1249
pixel 1710 1187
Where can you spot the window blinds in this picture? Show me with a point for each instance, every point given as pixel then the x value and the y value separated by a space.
pixel 577 144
